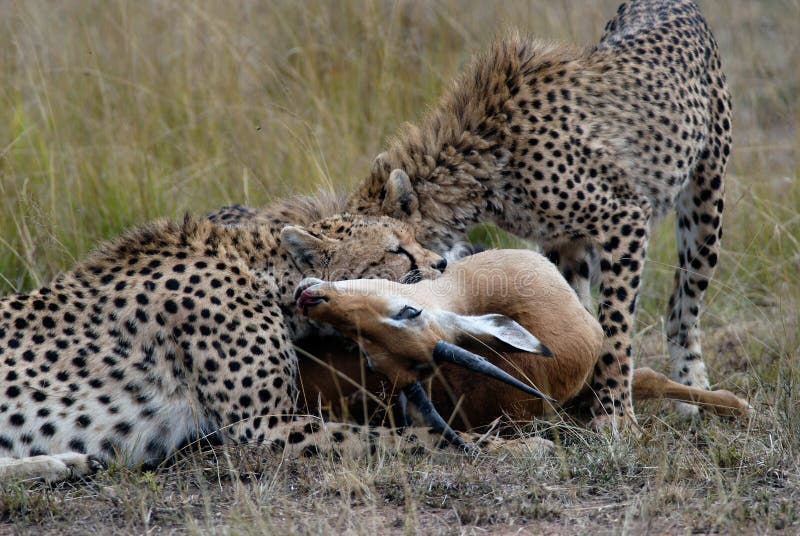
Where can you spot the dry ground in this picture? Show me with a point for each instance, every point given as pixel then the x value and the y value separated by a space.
pixel 117 112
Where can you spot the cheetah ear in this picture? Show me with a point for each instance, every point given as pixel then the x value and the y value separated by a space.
pixel 307 250
pixel 381 164
pixel 401 200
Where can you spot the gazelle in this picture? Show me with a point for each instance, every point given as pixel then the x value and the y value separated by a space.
pixel 487 314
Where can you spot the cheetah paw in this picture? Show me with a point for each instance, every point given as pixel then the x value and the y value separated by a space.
pixel 524 445
pixel 518 445
pixel 614 424
pixel 687 411
pixel 72 465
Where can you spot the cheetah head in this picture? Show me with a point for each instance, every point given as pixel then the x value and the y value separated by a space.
pixel 360 247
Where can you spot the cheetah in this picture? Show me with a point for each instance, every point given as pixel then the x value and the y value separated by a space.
pixel 582 149
pixel 180 330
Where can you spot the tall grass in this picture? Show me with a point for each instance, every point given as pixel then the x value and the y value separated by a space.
pixel 116 112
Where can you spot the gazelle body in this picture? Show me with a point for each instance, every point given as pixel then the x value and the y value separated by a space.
pixel 485 303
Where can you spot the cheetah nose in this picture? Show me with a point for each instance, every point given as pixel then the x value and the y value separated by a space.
pixel 440 265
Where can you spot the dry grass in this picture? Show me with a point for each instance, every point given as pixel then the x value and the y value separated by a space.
pixel 116 112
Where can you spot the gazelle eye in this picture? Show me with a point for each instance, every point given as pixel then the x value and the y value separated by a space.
pixel 407 313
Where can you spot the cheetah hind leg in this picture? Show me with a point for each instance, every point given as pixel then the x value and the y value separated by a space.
pixel 50 468
pixel 699 231
pixel 311 436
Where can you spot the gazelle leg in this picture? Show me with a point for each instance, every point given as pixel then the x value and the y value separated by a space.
pixel 647 383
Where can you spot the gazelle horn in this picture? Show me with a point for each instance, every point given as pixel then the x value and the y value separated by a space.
pixel 444 352
pixel 415 394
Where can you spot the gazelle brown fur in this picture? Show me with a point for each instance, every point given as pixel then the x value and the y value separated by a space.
pixel 521 286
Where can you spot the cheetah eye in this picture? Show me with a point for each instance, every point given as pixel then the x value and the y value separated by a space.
pixel 400 250
pixel 407 313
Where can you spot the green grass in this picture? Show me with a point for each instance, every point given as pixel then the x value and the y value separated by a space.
pixel 114 113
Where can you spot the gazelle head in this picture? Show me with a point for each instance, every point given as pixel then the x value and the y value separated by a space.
pixel 405 333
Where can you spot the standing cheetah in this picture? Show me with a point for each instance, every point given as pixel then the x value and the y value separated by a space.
pixel 178 330
pixel 582 149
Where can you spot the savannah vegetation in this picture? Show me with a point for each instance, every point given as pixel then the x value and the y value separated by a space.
pixel 115 113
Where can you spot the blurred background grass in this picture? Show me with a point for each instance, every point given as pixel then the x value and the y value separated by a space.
pixel 116 112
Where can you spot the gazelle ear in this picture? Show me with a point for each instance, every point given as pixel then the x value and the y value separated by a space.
pixel 499 332
pixel 401 200
pixel 307 250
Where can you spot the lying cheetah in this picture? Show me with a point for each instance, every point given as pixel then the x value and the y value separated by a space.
pixel 178 330
pixel 582 150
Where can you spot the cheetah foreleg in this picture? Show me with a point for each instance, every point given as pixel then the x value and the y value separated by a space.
pixel 310 436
